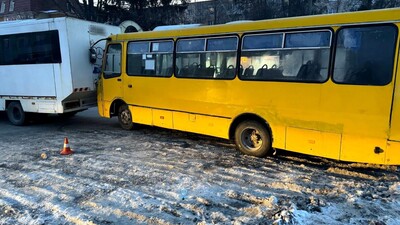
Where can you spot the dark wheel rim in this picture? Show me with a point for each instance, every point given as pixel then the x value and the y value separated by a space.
pixel 16 113
pixel 125 117
pixel 251 139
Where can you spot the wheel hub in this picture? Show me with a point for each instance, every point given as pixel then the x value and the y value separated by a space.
pixel 251 139
pixel 16 113
pixel 125 117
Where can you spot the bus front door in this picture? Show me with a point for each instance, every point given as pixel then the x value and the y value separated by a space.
pixel 110 84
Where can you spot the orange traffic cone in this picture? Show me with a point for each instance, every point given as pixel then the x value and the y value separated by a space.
pixel 66 150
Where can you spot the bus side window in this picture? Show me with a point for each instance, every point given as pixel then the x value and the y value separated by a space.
pixel 150 58
pixel 295 56
pixel 188 56
pixel 222 51
pixel 112 67
pixel 163 58
pixel 207 58
pixel 356 60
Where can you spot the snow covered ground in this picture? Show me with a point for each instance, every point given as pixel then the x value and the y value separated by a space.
pixel 158 176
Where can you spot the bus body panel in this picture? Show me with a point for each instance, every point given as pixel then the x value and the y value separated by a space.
pixel 362 113
pixel 393 146
pixel 183 106
pixel 142 115
pixel 361 148
pixel 162 118
pixel 54 87
pixel 201 97
pixel 395 114
pixel 392 153
pixel 111 85
pixel 201 124
pixel 312 142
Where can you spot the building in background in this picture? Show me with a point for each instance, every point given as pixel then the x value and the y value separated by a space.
pixel 29 9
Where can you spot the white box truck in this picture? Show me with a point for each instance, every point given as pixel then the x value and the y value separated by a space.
pixel 46 66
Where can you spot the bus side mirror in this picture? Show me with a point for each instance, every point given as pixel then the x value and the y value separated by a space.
pixel 92 55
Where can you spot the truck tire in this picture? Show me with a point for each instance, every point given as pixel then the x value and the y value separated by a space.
pixel 125 117
pixel 253 138
pixel 16 114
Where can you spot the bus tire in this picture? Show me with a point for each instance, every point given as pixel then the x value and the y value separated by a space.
pixel 253 138
pixel 16 114
pixel 125 117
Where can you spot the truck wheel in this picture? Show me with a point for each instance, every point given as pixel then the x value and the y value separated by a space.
pixel 16 114
pixel 125 117
pixel 253 138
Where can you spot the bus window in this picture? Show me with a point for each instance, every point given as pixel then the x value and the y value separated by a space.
pixel 356 60
pixel 308 39
pixel 221 54
pixel 150 58
pixel 207 57
pixel 188 57
pixel 264 41
pixel 295 56
pixel 112 67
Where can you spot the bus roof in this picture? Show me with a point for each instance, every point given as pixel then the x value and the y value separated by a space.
pixel 176 27
pixel 370 16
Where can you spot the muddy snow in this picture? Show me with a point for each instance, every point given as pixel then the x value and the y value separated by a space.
pixel 158 176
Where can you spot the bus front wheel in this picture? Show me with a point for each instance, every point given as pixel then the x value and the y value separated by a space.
pixel 253 138
pixel 16 114
pixel 125 117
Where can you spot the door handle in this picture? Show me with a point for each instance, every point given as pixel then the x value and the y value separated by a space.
pixel 129 85
pixel 119 79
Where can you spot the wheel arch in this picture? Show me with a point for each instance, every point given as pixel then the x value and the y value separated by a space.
pixel 246 117
pixel 115 106
pixel 8 102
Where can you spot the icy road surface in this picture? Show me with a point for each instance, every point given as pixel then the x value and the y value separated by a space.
pixel 158 176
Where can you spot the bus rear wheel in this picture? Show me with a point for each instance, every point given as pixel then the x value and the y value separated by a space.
pixel 16 114
pixel 125 117
pixel 253 138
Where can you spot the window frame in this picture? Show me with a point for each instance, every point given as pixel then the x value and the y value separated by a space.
pixel 151 41
pixel 111 75
pixel 189 38
pixel 51 37
pixel 284 32
pixel 309 31
pixel 221 36
pixel 262 34
pixel 333 61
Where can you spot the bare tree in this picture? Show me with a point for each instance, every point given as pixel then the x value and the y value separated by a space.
pixel 151 13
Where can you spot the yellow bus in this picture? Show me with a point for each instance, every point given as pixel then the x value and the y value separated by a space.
pixel 321 85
